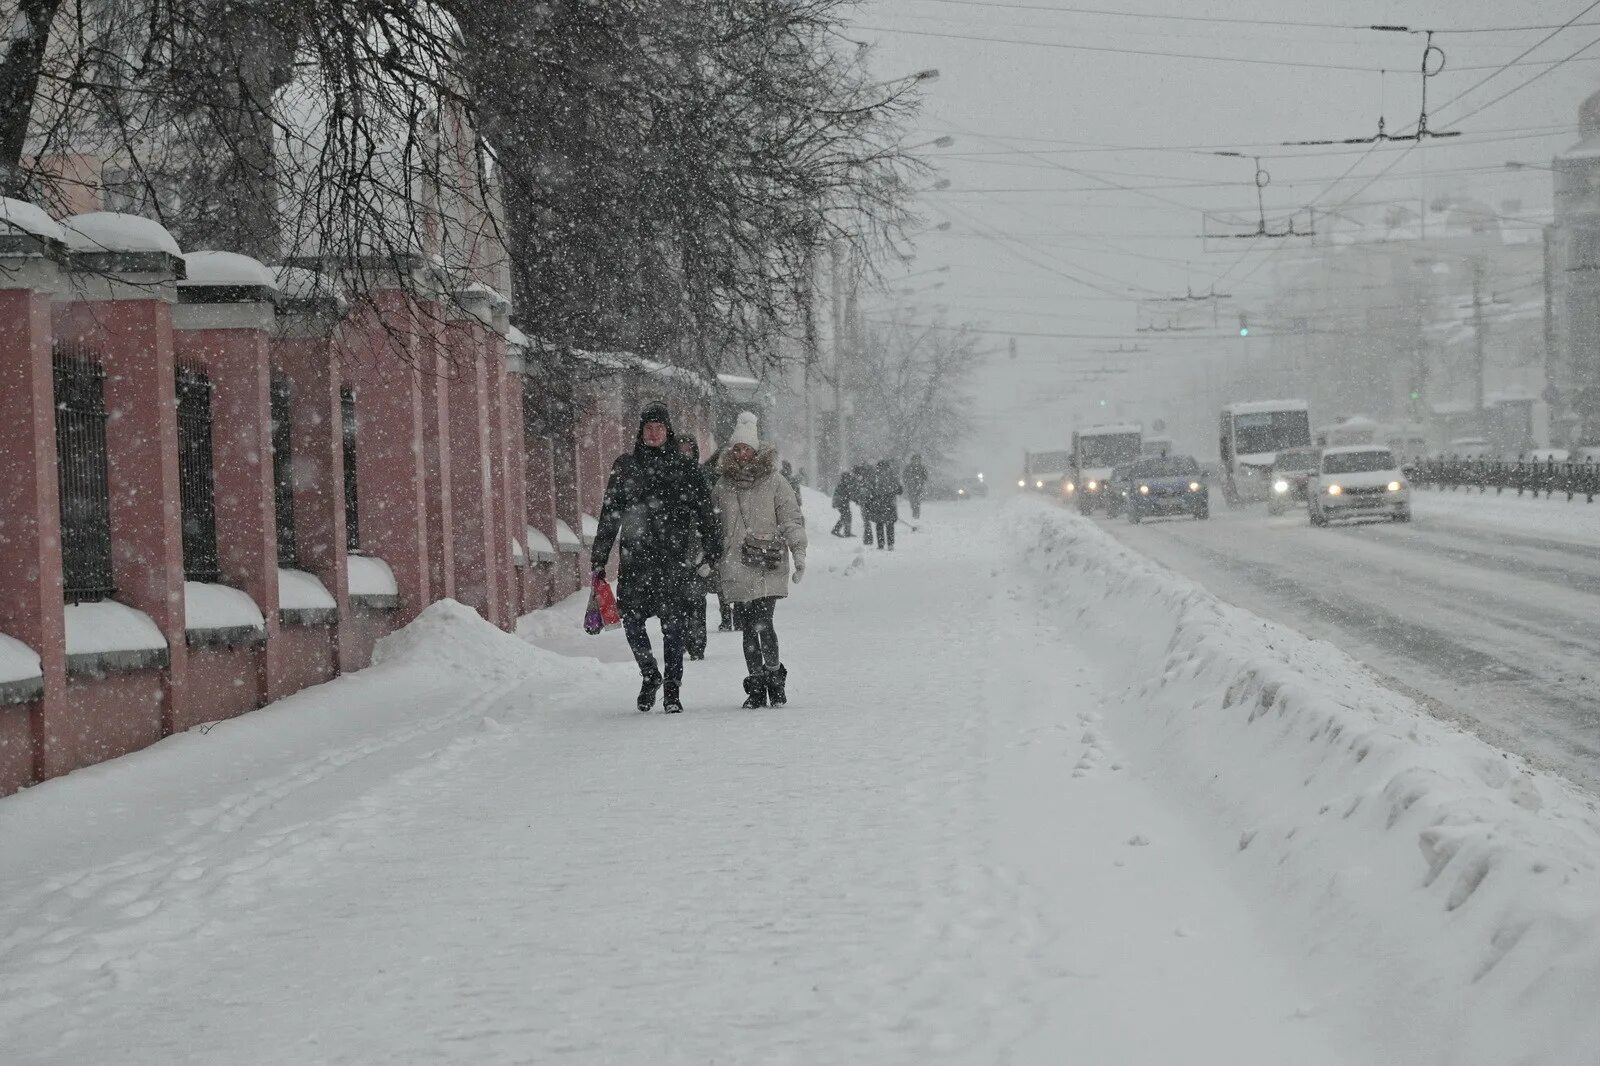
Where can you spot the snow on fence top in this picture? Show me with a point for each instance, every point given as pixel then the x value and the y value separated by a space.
pixel 539 544
pixel 566 538
pixel 24 217
pixel 371 576
pixel 18 662
pixel 226 268
pixel 300 591
pixel 517 339
pixel 207 606
pixel 591 527
pixel 111 231
pixel 108 626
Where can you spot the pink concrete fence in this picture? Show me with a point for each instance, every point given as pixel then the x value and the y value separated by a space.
pixel 330 472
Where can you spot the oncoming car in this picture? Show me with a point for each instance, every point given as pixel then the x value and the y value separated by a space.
pixel 1174 486
pixel 1358 481
pixel 1290 470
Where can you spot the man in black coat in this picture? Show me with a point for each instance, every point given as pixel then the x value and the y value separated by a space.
pixel 656 502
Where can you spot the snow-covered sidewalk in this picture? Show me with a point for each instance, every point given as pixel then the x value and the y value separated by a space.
pixel 478 852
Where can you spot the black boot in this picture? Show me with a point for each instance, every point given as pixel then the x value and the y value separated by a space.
pixel 755 689
pixel 670 703
pixel 647 691
pixel 776 680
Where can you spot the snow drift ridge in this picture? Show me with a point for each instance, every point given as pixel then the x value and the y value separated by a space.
pixel 1465 882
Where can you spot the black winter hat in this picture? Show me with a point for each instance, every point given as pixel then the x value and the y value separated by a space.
pixel 655 411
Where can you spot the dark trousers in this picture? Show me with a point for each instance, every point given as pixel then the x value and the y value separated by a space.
pixel 760 639
pixel 671 645
pixel 694 625
pixel 882 531
pixel 841 528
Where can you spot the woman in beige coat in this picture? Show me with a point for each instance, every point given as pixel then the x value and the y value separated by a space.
pixel 763 530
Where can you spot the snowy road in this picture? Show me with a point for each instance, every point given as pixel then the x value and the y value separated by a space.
pixel 935 853
pixel 1484 608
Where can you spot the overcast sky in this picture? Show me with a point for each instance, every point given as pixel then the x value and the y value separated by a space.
pixel 1042 243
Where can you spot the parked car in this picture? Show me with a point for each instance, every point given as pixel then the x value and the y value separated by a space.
pixel 968 488
pixel 1291 468
pixel 1358 481
pixel 1171 486
pixel 1118 483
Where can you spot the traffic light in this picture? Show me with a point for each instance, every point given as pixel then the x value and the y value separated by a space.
pixel 1244 325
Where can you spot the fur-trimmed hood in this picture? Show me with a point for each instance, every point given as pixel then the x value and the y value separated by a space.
pixel 762 466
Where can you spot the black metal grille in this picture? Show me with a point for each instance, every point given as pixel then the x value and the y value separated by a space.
pixel 347 411
pixel 196 477
pixel 84 485
pixel 283 474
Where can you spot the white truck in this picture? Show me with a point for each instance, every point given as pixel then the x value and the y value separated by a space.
pixel 1044 471
pixel 1096 451
pixel 1250 438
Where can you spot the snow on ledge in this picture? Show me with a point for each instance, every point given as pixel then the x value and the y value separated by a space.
pixel 539 544
pixel 591 527
pixel 26 218
pixel 111 231
pixel 226 268
pixel 566 539
pixel 18 662
pixel 300 591
pixel 207 606
pixel 108 627
pixel 371 576
pixel 1464 883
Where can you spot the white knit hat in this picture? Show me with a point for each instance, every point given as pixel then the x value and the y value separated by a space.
pixel 745 431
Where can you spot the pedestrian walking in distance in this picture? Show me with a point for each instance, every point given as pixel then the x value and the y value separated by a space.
pixel 658 510
pixel 843 495
pixel 866 497
pixel 915 479
pixel 763 529
pixel 886 491
pixel 700 586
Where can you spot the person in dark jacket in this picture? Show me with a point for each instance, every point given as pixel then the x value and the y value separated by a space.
pixel 656 503
pixel 865 494
pixel 886 491
pixel 694 605
pixel 915 479
pixel 843 495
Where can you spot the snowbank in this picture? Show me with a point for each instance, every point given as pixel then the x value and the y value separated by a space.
pixel 452 636
pixel 1466 884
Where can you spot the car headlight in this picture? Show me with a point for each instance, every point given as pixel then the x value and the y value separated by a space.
pixel 1070 488
pixel 1395 486
pixel 1038 484
pixel 1280 486
pixel 1094 485
pixel 1022 484
pixel 961 492
pixel 1194 486
pixel 1144 490
pixel 1334 490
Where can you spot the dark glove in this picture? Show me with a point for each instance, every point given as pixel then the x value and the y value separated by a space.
pixel 597 574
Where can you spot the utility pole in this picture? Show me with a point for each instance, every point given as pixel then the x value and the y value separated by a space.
pixel 1549 312
pixel 836 263
pixel 1480 343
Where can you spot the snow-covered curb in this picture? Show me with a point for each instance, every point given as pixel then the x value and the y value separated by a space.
pixel 1465 883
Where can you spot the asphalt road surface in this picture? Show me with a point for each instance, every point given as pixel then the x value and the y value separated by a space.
pixel 1490 615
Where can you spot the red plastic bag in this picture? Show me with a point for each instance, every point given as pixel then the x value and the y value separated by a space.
pixel 602 613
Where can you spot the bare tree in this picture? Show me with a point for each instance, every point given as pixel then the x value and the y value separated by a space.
pixel 908 385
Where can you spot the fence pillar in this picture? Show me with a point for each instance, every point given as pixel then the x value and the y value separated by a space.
pixel 308 314
pixel 493 344
pixel 30 508
pixel 433 355
pixel 474 532
pixel 381 363
pixel 123 282
pixel 222 321
pixel 516 473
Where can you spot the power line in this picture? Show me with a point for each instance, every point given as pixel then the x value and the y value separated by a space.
pixel 1520 55
pixel 1215 19
pixel 1108 49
